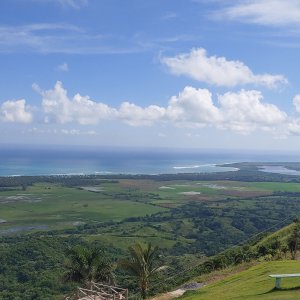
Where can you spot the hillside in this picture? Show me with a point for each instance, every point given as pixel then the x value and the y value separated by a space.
pixel 253 283
pixel 250 280
pixel 281 235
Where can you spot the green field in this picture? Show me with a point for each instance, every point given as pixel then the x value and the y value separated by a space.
pixel 174 193
pixel 54 206
pixel 253 283
pixel 62 207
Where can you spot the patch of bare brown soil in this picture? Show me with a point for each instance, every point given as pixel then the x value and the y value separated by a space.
pixel 141 184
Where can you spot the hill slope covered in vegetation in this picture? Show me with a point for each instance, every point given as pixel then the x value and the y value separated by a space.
pixel 253 283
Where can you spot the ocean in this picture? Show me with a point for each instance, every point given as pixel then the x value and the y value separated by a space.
pixel 17 161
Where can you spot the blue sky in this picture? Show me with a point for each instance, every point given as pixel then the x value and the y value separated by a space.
pixel 160 73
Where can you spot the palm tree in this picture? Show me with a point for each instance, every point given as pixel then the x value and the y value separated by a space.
pixel 142 265
pixel 87 265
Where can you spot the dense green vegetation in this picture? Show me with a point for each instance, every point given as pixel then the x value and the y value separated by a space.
pixel 36 266
pixel 30 268
pixel 191 217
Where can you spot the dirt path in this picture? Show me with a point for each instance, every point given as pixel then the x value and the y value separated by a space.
pixel 179 292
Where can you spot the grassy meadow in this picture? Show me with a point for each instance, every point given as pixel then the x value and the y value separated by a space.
pixel 253 283
pixel 63 207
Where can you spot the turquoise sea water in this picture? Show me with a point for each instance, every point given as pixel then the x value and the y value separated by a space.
pixel 16 161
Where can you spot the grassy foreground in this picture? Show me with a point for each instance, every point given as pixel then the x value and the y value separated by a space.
pixel 253 283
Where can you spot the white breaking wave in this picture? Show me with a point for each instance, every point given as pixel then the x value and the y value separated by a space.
pixel 65 174
pixel 187 167
pixel 194 166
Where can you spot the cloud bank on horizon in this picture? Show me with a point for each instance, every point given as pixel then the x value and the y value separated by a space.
pixel 243 111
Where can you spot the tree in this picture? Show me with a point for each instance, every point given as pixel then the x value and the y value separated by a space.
pixel 294 239
pixel 142 265
pixel 87 265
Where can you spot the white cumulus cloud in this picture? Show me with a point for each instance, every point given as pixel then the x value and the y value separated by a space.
pixel 15 111
pixel 293 127
pixel 218 71
pixel 245 112
pixel 135 115
pixel 242 112
pixel 193 107
pixel 58 106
